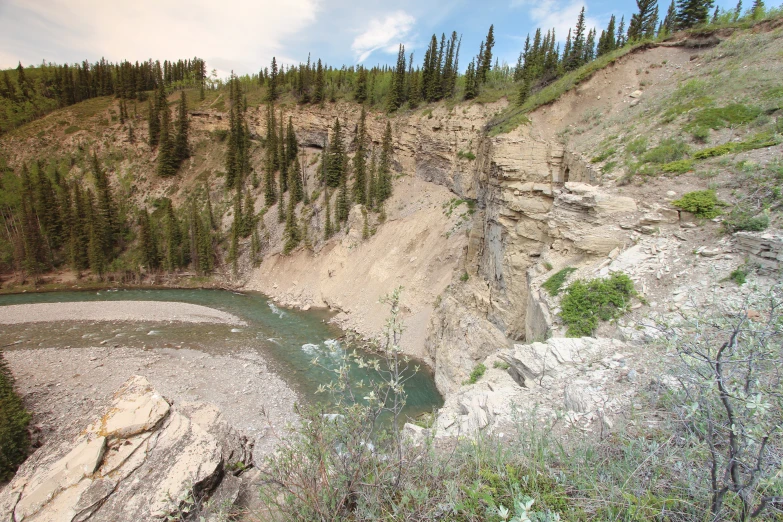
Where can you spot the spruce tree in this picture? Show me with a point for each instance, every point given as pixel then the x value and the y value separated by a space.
pixel 281 187
pixel 360 92
pixel 334 159
pixel 384 183
pixel 397 92
pixel 271 93
pixel 236 226
pixel 343 203
pixel 328 223
pixel 692 12
pixel 282 157
pixel 148 248
pixel 173 244
pixel 758 10
pixel 524 92
pixel 318 92
pixel 292 234
pixel 486 58
pixel 670 21
pixel 181 148
pixel 95 248
pixel 105 211
pixel 471 87
pixel 167 162
pixel 295 188
pixel 360 161
pixel 372 185
pixel 737 10
pixel 248 215
pixel 153 123
pixel 576 55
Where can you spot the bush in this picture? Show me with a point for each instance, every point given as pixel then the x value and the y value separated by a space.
pixel 669 150
pixel 476 374
pixel 466 155
pixel 553 284
pixel 585 302
pixel 701 203
pixel 740 220
pixel 14 438
pixel 739 276
pixel 678 167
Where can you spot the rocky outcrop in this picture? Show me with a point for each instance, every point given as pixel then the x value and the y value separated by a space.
pixel 586 380
pixel 762 249
pixel 142 460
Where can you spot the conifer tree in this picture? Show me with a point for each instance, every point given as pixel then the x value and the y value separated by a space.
pixel 318 92
pixel 292 233
pixel 248 214
pixel 281 188
pixel 576 54
pixel 255 247
pixel 295 188
pixel 758 9
pixel 737 10
pixel 692 12
pixel 236 226
pixel 173 253
pixel 335 157
pixel 397 91
pixel 670 21
pixel 607 42
pixel 271 93
pixel 153 122
pixel 34 254
pixel 621 33
pixel 181 147
pixel 148 248
pixel 95 247
pixel 372 185
pixel 210 216
pixel 328 224
pixel 524 92
pixel 343 204
pixel 471 86
pixel 105 215
pixel 360 161
pixel 360 93
pixel 167 162
pixel 384 182
pixel 282 157
pixel 486 58
pixel 291 145
pixel 79 229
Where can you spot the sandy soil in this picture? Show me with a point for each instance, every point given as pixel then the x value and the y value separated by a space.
pixel 114 311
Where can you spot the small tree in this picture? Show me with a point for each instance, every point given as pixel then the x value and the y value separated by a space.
pixel 733 400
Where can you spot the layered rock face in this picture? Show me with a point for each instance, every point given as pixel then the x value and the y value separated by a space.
pixel 142 460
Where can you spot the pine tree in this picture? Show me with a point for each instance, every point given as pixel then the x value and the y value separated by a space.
pixel 372 185
pixel 486 59
pixel 295 188
pixel 148 248
pixel 105 213
pixel 607 42
pixel 334 159
pixel 255 247
pixel 692 12
pixel 167 162
pixel 248 215
pixel 397 91
pixel 360 92
pixel 292 234
pixel 318 93
pixel 360 161
pixel 758 10
pixel 621 33
pixel 282 157
pixel 153 122
pixel 670 21
pixel 524 92
pixel 181 148
pixel 328 225
pixel 236 227
pixel 80 232
pixel 471 86
pixel 281 188
pixel 384 182
pixel 95 247
pixel 343 204
pixel 576 55
pixel 737 10
pixel 271 93
pixel 291 145
pixel 173 255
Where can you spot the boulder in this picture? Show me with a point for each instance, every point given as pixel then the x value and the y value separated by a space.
pixel 141 460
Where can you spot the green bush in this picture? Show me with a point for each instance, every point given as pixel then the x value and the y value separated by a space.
pixel 678 167
pixel 701 203
pixel 669 150
pixel 711 152
pixel 466 155
pixel 14 438
pixel 587 302
pixel 603 155
pixel 553 284
pixel 476 374
pixel 637 146
pixel 739 276
pixel 720 117
pixel 739 220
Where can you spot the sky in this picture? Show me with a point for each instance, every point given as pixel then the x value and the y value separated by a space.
pixel 244 35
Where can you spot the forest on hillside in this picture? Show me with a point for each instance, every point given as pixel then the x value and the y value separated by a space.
pixel 53 219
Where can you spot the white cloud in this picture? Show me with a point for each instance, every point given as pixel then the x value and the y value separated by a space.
pixel 383 34
pixel 230 33
pixel 561 16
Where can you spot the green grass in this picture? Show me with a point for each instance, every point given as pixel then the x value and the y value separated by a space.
pixel 603 155
pixel 476 374
pixel 554 283
pixel 758 141
pixel 716 118
pixel 501 365
pixel 701 203
pixel 637 146
pixel 587 302
pixel 72 129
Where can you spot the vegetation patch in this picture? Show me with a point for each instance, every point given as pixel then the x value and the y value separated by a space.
pixel 72 129
pixel 668 151
pixel 476 374
pixel 587 302
pixel 553 284
pixel 466 155
pixel 677 167
pixel 716 118
pixel 603 155
pixel 14 439
pixel 701 203
pixel 739 276
pixel 637 146
pixel 744 219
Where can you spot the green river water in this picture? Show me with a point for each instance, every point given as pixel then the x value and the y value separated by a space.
pixel 288 339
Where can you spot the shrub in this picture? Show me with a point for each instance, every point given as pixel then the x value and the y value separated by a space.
pixel 738 276
pixel 719 117
pixel 476 374
pixel 14 439
pixel 701 203
pixel 464 277
pixel 678 167
pixel 711 152
pixel 637 146
pixel 604 155
pixel 466 155
pixel 739 220
pixel 501 365
pixel 553 284
pixel 667 151
pixel 585 302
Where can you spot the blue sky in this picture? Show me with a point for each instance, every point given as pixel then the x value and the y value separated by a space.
pixel 244 35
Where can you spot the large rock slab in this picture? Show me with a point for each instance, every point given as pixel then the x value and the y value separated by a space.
pixel 141 460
